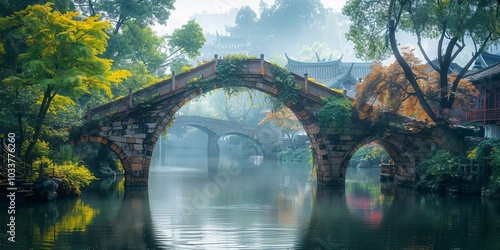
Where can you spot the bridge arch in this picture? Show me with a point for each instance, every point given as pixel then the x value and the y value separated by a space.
pixel 307 120
pixel 115 148
pixel 256 142
pixel 403 158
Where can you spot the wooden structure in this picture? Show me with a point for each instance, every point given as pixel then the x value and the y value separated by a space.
pixel 486 109
pixel 387 171
pixel 225 45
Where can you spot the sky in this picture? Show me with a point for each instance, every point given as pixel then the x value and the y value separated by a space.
pixel 185 9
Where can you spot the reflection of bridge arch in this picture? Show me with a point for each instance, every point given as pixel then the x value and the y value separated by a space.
pixel 134 123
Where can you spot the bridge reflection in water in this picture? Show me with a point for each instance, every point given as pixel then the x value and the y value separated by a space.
pixel 269 207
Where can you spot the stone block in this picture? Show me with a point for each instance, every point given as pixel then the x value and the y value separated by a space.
pixel 336 161
pixel 141 136
pixel 138 147
pixel 136 160
pixel 105 129
pixel 129 121
pixel 345 137
pixel 136 166
pixel 118 138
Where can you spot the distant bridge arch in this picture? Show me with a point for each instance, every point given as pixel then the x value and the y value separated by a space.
pixel 268 140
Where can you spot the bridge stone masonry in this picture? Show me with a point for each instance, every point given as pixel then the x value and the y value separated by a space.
pixel 130 126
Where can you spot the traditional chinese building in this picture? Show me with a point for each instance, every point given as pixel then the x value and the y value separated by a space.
pixel 332 73
pixel 225 45
pixel 486 110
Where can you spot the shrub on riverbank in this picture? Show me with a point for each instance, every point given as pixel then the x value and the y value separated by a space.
pixel 438 172
pixel 297 155
pixel 487 154
pixel 66 168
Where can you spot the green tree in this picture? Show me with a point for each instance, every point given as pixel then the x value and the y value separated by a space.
pixel 59 59
pixel 134 46
pixel 318 52
pixel 120 12
pixel 8 7
pixel 245 22
pixel 284 20
pixel 186 41
pixel 376 23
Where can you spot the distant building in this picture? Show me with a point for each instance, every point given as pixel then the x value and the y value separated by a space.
pixel 486 109
pixel 225 45
pixel 334 74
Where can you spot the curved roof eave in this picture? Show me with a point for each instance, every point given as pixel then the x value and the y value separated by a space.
pixel 295 63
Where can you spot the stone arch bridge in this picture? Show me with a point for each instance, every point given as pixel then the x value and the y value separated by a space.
pixel 267 139
pixel 130 126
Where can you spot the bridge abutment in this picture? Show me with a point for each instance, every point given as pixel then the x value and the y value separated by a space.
pixel 213 151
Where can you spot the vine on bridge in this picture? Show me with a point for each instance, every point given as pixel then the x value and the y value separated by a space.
pixel 229 77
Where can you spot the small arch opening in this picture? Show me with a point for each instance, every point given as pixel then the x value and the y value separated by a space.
pixel 99 159
pixel 371 163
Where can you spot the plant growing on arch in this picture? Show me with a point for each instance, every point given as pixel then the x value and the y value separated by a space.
pixel 375 24
pixel 336 112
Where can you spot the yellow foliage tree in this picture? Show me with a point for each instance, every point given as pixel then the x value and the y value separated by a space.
pixel 285 120
pixel 57 55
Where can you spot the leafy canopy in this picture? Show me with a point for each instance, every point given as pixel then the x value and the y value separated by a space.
pixel 386 89
pixel 443 20
pixel 121 11
pixel 375 24
pixel 56 56
pixel 336 112
pixel 61 51
pixel 285 120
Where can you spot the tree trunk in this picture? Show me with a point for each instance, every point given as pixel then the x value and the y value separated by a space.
pixel 451 142
pixel 42 112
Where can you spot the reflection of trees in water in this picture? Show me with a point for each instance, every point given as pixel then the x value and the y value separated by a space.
pixel 62 217
pixel 363 175
pixel 385 216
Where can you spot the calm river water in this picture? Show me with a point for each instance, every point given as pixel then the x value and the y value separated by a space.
pixel 248 206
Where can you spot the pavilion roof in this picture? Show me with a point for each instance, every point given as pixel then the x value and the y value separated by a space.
pixel 484 73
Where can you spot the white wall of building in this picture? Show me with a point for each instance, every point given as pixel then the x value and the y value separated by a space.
pixel 491 131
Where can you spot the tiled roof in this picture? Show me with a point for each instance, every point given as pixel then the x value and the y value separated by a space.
pixel 484 73
pixel 490 59
pixel 294 63
pixel 454 68
pixel 329 71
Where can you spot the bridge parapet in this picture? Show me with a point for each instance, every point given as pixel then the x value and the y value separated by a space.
pixel 174 84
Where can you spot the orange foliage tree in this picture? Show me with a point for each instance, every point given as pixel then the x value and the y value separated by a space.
pixel 387 89
pixel 285 120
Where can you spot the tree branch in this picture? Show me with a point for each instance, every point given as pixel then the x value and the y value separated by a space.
pixel 407 69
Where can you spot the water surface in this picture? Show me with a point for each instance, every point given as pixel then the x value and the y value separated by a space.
pixel 248 206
